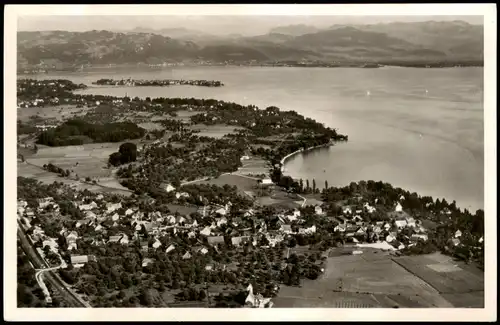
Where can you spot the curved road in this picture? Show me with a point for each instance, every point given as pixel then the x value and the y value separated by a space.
pixel 42 269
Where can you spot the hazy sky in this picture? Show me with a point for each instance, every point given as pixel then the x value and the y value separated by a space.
pixel 217 25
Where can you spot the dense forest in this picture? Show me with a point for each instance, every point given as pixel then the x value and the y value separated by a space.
pixel 77 132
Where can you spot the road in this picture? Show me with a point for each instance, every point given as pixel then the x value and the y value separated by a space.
pixel 303 198
pixel 68 295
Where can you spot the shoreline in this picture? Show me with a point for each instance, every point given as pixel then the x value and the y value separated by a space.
pixel 136 66
pixel 284 159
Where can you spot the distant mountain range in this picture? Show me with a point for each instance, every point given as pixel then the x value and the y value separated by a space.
pixel 413 42
pixel 295 30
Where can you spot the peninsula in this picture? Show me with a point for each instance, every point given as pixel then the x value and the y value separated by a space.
pixel 181 202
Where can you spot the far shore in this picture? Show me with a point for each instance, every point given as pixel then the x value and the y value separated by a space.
pixel 428 65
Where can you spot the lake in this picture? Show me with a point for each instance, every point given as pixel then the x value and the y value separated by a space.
pixel 418 129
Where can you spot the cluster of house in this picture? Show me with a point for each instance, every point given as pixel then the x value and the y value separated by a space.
pixel 101 217
pixel 45 127
pixel 353 226
pixel 384 234
pixel 40 101
pixel 167 82
pixel 55 100
pixel 30 103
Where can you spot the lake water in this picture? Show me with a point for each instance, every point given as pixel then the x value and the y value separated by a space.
pixel 418 129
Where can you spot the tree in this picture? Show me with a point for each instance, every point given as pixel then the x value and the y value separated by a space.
pixel 286 278
pixel 202 295
pixel 314 186
pixel 121 294
pixel 307 185
pixel 128 152
pixel 326 184
pixel 145 298
pixel 162 287
pixel 115 159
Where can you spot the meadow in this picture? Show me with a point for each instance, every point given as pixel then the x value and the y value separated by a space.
pixel 377 279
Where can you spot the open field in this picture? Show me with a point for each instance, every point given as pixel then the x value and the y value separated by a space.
pixel 26 152
pixel 254 166
pixel 244 184
pixel 356 274
pixel 183 210
pixel 150 126
pixel 362 281
pixel 214 131
pixel 286 204
pixel 185 115
pixel 89 160
pixel 59 113
pixel 466 300
pixel 312 200
pixel 441 272
pixel 280 198
pixel 112 182
pixel 26 170
pixel 328 300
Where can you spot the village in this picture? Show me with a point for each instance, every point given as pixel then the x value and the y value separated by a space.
pixel 210 229
pixel 208 221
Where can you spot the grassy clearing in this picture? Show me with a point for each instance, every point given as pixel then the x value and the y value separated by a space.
pixel 269 201
pixel 442 273
pixel 214 131
pixel 82 166
pixel 89 160
pixel 242 183
pixel 59 113
pixel 312 201
pixel 327 300
pixel 150 126
pixel 355 274
pixel 183 210
pixel 362 281
pixel 466 300
pixel 254 166
pixel 46 177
